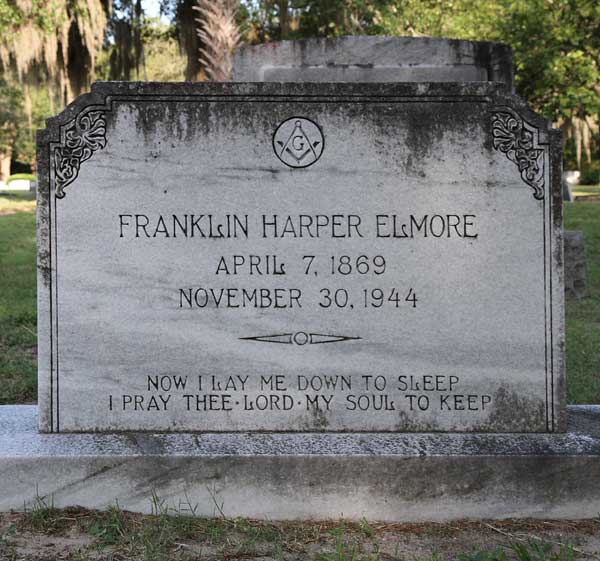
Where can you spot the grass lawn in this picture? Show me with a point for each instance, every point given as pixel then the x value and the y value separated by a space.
pixel 18 367
pixel 583 316
pixel 585 190
pixel 18 306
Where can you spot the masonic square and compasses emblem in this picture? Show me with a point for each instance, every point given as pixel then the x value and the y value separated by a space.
pixel 298 142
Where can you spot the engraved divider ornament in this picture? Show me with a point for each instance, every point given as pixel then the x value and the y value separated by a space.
pixel 298 142
pixel 300 338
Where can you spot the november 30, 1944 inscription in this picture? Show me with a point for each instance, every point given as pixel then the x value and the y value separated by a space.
pixel 288 257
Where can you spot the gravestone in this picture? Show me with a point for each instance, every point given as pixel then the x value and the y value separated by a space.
pixel 375 59
pixel 566 191
pixel 18 185
pixel 300 257
pixel 572 177
pixel 575 266
pixel 435 208
pixel 395 59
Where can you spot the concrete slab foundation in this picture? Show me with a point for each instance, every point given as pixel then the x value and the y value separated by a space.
pixel 380 476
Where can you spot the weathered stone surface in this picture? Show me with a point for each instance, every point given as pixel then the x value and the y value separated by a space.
pixel 391 477
pixel 452 326
pixel 375 59
pixel 389 59
pixel 575 265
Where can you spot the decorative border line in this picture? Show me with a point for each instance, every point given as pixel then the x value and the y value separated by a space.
pixel 519 141
pixel 85 134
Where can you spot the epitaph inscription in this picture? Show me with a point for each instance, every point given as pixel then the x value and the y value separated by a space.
pixel 299 258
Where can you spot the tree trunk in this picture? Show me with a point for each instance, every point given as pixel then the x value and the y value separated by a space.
pixel 284 19
pixel 188 38
pixel 5 158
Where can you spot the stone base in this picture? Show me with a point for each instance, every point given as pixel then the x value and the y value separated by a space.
pixel 387 477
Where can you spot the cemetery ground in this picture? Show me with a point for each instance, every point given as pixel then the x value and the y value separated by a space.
pixel 45 533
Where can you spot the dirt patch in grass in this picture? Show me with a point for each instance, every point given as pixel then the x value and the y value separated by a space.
pixel 5 212
pixel 12 203
pixel 76 534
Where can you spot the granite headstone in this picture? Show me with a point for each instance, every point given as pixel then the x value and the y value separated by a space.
pixel 300 257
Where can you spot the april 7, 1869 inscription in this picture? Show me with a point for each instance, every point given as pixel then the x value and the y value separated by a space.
pixel 313 257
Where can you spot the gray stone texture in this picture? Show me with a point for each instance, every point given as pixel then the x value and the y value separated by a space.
pixel 396 59
pixel 375 59
pixel 575 265
pixel 480 350
pixel 388 477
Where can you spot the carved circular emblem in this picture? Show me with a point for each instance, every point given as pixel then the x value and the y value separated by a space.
pixel 298 142
pixel 301 338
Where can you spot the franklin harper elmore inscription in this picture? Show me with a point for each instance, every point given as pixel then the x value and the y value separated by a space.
pixel 317 257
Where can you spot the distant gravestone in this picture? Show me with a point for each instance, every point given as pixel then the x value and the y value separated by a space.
pixel 575 266
pixel 375 59
pixel 572 177
pixel 308 257
pixel 566 191
pixel 19 185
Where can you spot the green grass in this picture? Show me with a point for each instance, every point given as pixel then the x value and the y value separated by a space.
pixel 586 189
pixel 583 316
pixel 18 365
pixel 18 306
pixel 14 176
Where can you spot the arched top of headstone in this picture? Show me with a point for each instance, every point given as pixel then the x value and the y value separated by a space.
pixel 375 59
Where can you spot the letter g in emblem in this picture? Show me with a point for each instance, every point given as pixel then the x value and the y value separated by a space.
pixel 298 143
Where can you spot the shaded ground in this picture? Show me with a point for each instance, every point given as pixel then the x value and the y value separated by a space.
pixel 45 534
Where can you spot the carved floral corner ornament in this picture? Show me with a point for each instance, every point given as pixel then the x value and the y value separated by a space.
pixel 511 137
pixel 83 136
